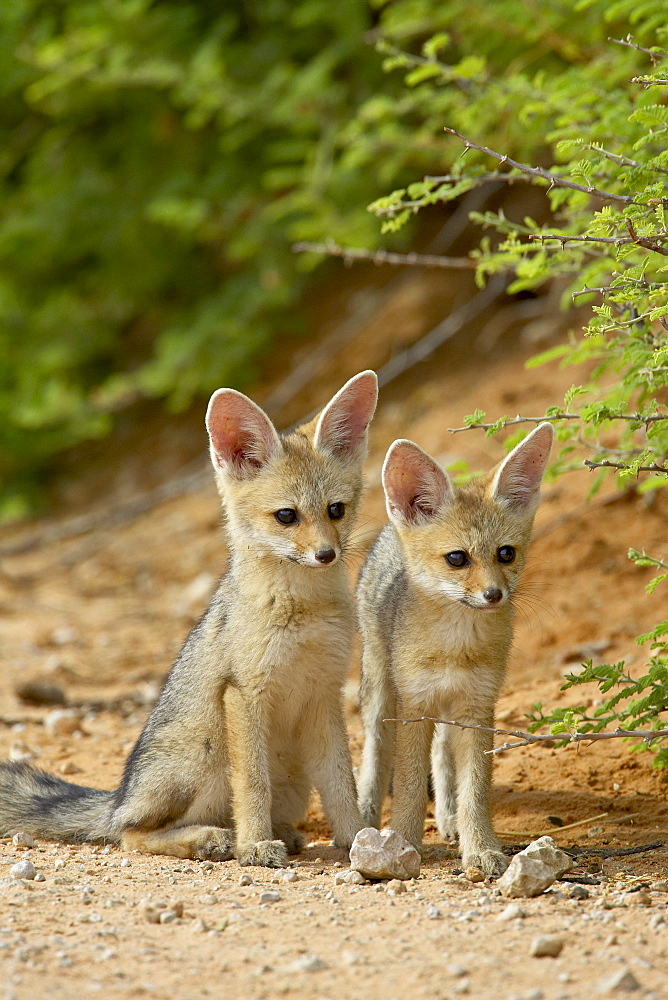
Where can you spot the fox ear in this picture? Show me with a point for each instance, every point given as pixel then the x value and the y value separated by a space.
pixel 416 488
pixel 516 482
pixel 243 438
pixel 342 425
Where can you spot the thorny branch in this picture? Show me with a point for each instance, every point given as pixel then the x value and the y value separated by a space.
pixel 524 739
pixel 630 44
pixel 349 254
pixel 553 179
pixel 641 418
pixel 654 467
pixel 617 240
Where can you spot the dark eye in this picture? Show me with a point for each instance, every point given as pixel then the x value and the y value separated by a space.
pixel 505 554
pixel 286 515
pixel 336 511
pixel 457 559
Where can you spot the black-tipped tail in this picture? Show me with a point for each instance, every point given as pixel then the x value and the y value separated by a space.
pixel 45 806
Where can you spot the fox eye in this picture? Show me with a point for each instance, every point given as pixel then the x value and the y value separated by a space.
pixel 336 511
pixel 506 554
pixel 286 515
pixel 457 559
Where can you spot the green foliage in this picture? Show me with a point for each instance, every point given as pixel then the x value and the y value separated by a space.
pixel 589 114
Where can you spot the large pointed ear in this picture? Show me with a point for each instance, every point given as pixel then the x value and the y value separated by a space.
pixel 416 488
pixel 342 425
pixel 243 438
pixel 516 482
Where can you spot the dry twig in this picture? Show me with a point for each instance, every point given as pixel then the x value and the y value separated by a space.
pixel 349 254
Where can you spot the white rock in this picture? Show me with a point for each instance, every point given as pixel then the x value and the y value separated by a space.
pixel 380 854
pixel 23 840
pixel 270 897
pixel 511 912
pixel 544 849
pixel 245 879
pixel 525 877
pixel 23 869
pixel 622 981
pixel 349 878
pixel 309 963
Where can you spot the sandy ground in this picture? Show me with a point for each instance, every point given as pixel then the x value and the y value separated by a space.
pixel 101 615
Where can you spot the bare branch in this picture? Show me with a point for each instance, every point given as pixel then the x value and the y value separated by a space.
pixel 525 739
pixel 654 467
pixel 384 256
pixel 617 240
pixel 646 285
pixel 553 179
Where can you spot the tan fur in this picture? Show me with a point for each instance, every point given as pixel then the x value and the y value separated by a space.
pixel 436 638
pixel 251 715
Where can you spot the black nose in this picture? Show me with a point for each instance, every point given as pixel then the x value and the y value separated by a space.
pixel 325 556
pixel 492 595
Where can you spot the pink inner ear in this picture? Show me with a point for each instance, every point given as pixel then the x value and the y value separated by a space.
pixel 415 487
pixel 520 475
pixel 243 439
pixel 344 422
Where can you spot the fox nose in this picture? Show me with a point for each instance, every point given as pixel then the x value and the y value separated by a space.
pixel 325 556
pixel 492 595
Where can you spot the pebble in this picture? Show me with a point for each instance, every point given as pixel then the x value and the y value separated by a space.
pixel 659 886
pixel 167 917
pixel 395 885
pixel 457 970
pixel 623 981
pixel 39 877
pixel 245 879
pixel 433 912
pixel 474 875
pixel 270 897
pixel 546 945
pixel 511 912
pixel 207 866
pixel 23 840
pixel 640 898
pixel 23 869
pixel 384 854
pixel 126 863
pixel 578 892
pixel 289 876
pixel 525 877
pixel 351 878
pixel 657 921
pixel 62 722
pixel 309 963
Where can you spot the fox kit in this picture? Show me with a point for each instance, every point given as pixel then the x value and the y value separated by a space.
pixel 250 717
pixel 435 608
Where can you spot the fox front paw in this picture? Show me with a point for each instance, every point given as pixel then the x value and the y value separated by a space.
pixel 264 853
pixel 213 844
pixel 291 837
pixel 489 862
pixel 447 826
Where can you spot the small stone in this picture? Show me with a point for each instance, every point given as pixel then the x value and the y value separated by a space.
pixel 578 892
pixel 59 863
pixel 544 849
pixel 21 752
pixel 23 840
pixel 270 897
pixel 594 831
pixel 511 912
pixel 546 945
pixel 623 980
pixel 379 854
pixel 62 722
pixel 69 767
pixel 474 875
pixel 245 879
pixel 167 917
pixel 396 886
pixel 39 877
pixel 350 878
pixel 176 906
pixel 289 876
pixel 309 963
pixel 525 877
pixel 657 921
pixel 456 970
pixel 433 912
pixel 126 863
pixel 640 898
pixel 659 886
pixel 23 869
pixel 207 866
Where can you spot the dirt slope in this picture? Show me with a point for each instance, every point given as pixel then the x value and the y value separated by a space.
pixel 101 616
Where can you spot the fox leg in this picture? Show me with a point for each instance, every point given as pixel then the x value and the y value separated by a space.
pixel 328 762
pixel 443 780
pixel 473 766
pixel 247 729
pixel 197 842
pixel 411 774
pixel 378 703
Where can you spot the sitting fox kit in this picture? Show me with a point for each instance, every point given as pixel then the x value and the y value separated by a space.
pixel 435 608
pixel 251 715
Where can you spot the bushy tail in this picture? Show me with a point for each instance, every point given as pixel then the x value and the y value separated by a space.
pixel 45 806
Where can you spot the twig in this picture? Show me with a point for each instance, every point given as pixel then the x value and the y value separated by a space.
pixel 654 56
pixel 647 418
pixel 385 256
pixel 654 467
pixel 648 81
pixel 641 241
pixel 553 179
pixel 647 735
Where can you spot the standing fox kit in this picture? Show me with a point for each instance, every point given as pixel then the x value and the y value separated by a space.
pixel 251 715
pixel 435 608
